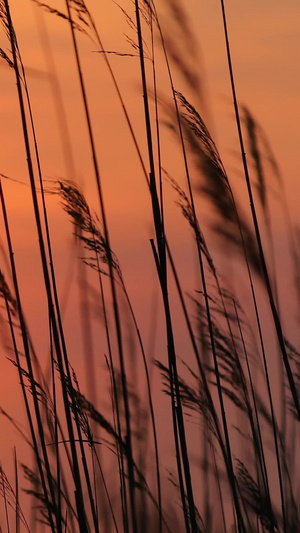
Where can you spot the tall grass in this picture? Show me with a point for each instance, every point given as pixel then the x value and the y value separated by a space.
pixel 185 432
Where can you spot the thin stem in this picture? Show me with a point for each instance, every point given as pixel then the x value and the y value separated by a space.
pixel 76 472
pixel 131 481
pixel 162 274
pixel 256 226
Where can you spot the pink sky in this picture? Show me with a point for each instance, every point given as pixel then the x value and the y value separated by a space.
pixel 265 43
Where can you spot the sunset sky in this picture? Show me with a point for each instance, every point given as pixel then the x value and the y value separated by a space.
pixel 265 46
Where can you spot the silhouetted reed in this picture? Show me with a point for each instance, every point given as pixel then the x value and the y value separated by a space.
pixel 92 465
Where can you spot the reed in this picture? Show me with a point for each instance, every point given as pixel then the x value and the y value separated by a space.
pixel 188 434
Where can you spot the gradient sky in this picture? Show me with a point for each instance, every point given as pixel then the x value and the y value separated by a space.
pixel 264 38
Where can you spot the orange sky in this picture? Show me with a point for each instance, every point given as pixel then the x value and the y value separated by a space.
pixel 265 43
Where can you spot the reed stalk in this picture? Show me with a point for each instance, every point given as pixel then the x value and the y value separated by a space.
pixel 256 225
pixel 160 261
